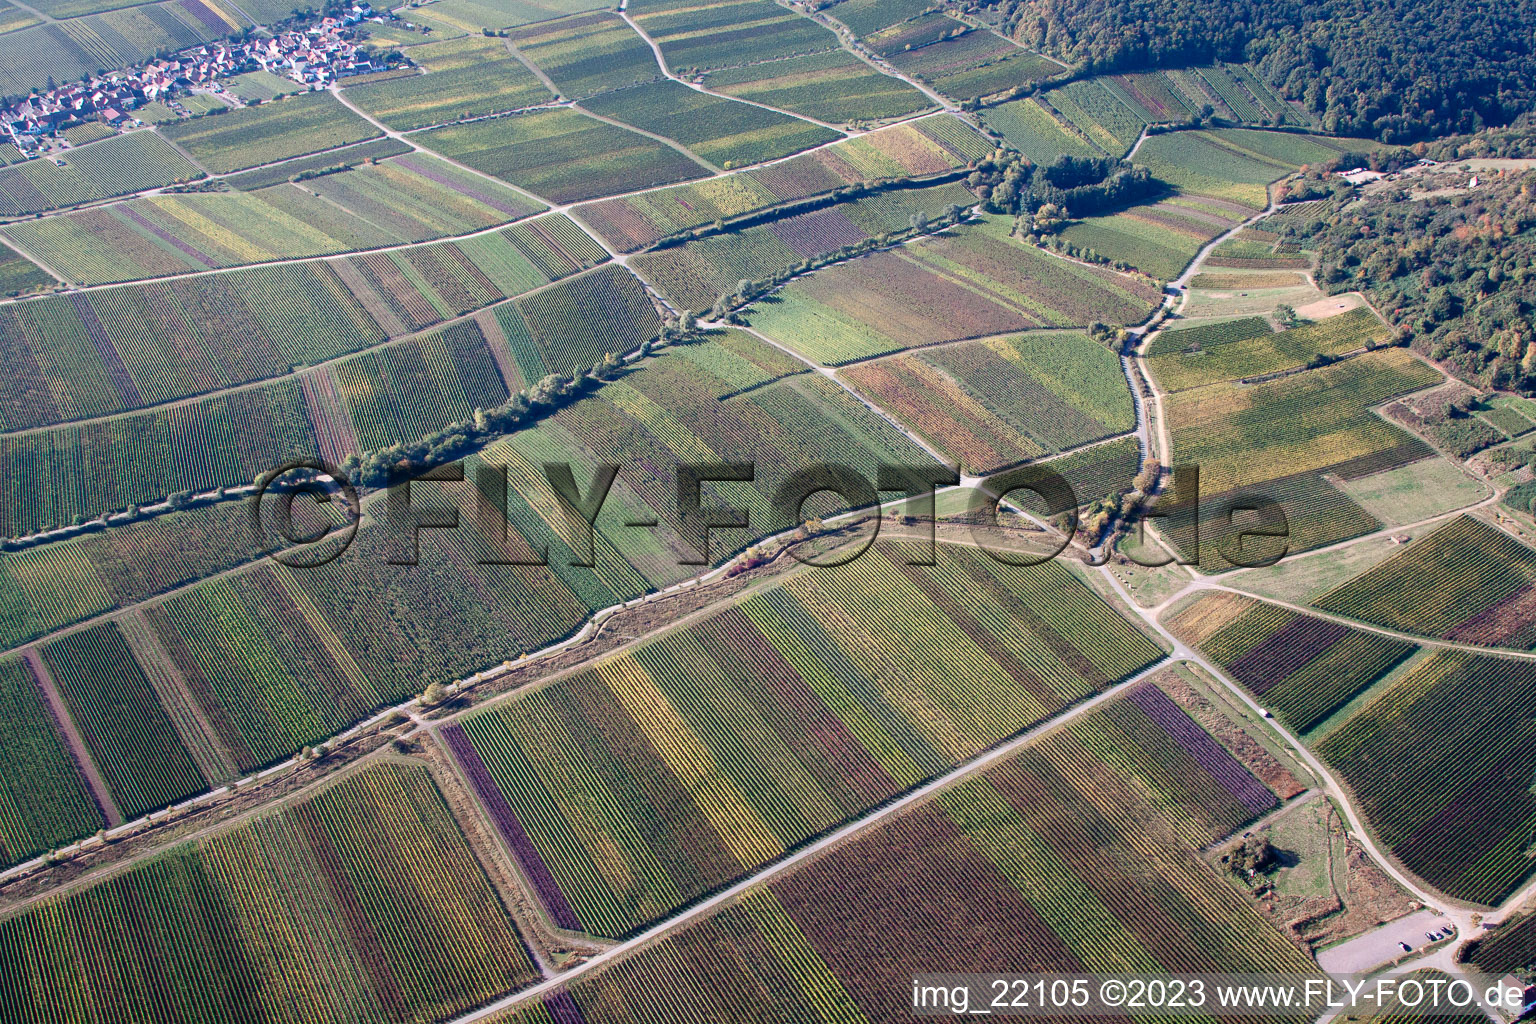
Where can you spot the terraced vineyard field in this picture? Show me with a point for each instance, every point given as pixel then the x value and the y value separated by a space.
pixel 1204 337
pixel 1098 114
pixel 1093 473
pixel 59 473
pixel 346 156
pixel 1459 725
pixel 405 391
pixel 457 17
pixel 728 400
pixel 1273 440
pixel 417 197
pixel 724 132
pixel 323 653
pixel 834 86
pixel 1070 855
pixel 1158 97
pixel 115 166
pixel 727 34
pixel 411 289
pixel 562 155
pixel 1304 668
pixel 570 327
pixel 697 273
pixel 361 902
pixel 44 801
pixel 1248 348
pixel 161 235
pixel 469 77
pixel 118 712
pixel 63 582
pixel 1158 239
pixel 273 131
pixel 977 63
pixel 1234 164
pixel 1034 131
pixel 865 17
pixel 693 700
pixel 587 54
pixel 995 403
pixel 1468 582
pixel 95 353
pixel 1313 420
pixel 903 36
pixel 971 281
pixel 931 145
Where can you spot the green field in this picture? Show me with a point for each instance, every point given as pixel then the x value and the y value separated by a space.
pixel 19 276
pixel 160 235
pixel 401 392
pixel 562 155
pixel 115 166
pixel 408 198
pixel 587 54
pixel 977 63
pixel 118 713
pixel 464 78
pixel 1469 582
pixel 343 654
pixel 865 17
pixel 458 17
pixel 929 145
pixel 1158 239
pixel 1254 350
pixel 57 584
pixel 84 470
pixel 1243 436
pixel 413 288
pixel 44 801
pixel 1034 131
pixel 995 403
pixel 569 327
pixel 112 350
pixel 968 282
pixel 834 86
pixel 348 156
pixel 273 131
pixel 697 273
pixel 729 33
pixel 1098 114
pixel 725 133
pixel 1235 164
pixel 262 85
pixel 416 197
pixel 1274 439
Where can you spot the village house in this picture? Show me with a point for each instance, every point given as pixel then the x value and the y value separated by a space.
pixel 314 57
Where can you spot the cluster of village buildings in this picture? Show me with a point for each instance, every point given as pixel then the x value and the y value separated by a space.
pixel 313 56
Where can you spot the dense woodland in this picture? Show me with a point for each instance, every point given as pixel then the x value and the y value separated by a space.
pixel 1399 70
pixel 1457 271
